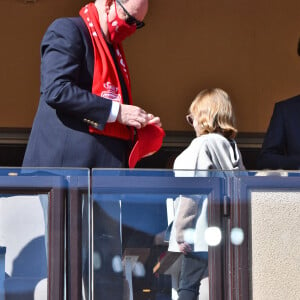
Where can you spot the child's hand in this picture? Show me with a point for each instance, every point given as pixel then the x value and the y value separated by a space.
pixel 184 247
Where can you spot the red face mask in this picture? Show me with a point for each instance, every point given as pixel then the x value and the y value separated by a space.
pixel 118 29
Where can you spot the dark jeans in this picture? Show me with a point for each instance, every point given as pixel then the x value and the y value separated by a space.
pixel 193 269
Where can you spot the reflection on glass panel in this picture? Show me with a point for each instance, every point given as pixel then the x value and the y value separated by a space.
pixel 108 277
pixel 22 233
pixel 150 228
pixel 87 227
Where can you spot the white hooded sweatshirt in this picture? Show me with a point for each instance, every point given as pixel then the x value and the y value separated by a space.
pixel 207 152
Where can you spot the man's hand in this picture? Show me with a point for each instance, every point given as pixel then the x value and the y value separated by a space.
pixel 135 116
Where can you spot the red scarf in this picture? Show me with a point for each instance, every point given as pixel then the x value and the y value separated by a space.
pixel 106 82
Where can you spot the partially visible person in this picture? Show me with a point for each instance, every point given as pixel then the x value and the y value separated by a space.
pixel 214 148
pixel 281 145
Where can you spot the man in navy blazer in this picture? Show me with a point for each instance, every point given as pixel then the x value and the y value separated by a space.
pixel 85 116
pixel 68 108
pixel 281 146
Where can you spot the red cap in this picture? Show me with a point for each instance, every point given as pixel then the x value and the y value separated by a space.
pixel 149 141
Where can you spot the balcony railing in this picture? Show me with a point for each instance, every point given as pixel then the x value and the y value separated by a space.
pixel 104 234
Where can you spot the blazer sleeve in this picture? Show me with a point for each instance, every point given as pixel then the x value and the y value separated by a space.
pixel 63 56
pixel 273 152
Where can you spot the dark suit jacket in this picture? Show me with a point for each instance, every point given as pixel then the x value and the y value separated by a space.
pixel 59 136
pixel 281 146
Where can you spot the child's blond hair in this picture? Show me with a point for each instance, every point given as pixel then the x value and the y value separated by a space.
pixel 213 112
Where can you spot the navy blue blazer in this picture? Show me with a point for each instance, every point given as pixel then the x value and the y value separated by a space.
pixel 281 146
pixel 59 135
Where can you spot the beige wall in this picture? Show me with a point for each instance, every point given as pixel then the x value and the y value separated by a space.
pixel 246 47
pixel 275 245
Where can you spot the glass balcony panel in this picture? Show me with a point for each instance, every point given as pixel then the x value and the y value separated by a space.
pixel 34 228
pixel 133 211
